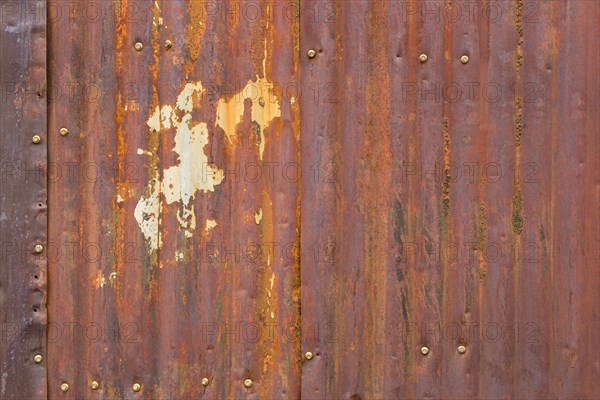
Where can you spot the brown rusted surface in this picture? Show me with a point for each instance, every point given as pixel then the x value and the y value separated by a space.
pixel 506 263
pixel 436 204
pixel 23 199
pixel 181 265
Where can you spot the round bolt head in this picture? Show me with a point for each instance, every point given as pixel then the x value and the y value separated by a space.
pixel 136 387
pixel 423 58
pixel 424 350
pixel 64 131
pixel 139 46
pixel 311 53
pixel 462 349
pixel 36 139
pixel 37 358
pixel 95 385
pixel 464 59
pixel 38 248
pixel 308 355
pixel 248 383
pixel 64 387
pixel 168 44
pixel 205 382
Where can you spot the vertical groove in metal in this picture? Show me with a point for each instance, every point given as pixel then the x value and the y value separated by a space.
pixel 23 200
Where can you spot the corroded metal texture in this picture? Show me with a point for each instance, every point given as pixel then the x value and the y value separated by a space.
pixel 285 199
pixel 464 206
pixel 175 230
pixel 23 197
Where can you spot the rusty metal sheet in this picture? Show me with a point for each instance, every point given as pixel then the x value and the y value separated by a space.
pixel 175 217
pixel 23 199
pixel 432 164
pixel 458 204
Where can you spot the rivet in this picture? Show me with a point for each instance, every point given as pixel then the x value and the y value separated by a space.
pixel 64 387
pixel 248 383
pixel 424 350
pixel 38 248
pixel 462 349
pixel 168 44
pixel 64 131
pixel 205 382
pixel 95 385
pixel 308 355
pixel 136 387
pixel 37 358
pixel 423 58
pixel 139 46
pixel 36 139
pixel 464 59
pixel 312 53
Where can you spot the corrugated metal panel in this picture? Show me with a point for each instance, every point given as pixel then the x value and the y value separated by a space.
pixel 464 205
pixel 166 213
pixel 23 199
pixel 438 204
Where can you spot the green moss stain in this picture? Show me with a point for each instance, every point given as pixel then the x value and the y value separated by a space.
pixel 517 211
pixel 481 236
pixel 519 27
pixel 446 172
pixel 519 121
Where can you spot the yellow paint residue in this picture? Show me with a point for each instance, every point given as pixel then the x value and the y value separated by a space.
pixel 264 109
pixel 100 281
pixel 258 216
pixel 210 224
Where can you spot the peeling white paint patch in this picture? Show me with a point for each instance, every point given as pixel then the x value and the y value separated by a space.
pixel 4 376
pixel 179 256
pixel 142 152
pixel 190 175
pixel 119 199
pixel 265 107
pixel 258 216
pixel 147 213
pixel 210 224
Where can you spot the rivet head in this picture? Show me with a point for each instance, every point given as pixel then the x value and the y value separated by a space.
pixel 37 358
pixel 64 387
pixel 136 387
pixel 248 383
pixel 168 44
pixel 308 355
pixel 424 350
pixel 95 385
pixel 464 59
pixel 462 349
pixel 423 58
pixel 64 131
pixel 36 139
pixel 311 53
pixel 38 248
pixel 205 382
pixel 139 46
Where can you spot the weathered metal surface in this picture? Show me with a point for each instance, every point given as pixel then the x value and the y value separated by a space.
pixel 447 210
pixel 23 200
pixel 180 221
pixel 463 205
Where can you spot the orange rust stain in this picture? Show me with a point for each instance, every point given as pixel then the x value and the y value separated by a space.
pixel 194 32
pixel 266 299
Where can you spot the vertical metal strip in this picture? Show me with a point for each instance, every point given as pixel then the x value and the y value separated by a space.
pixel 23 199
